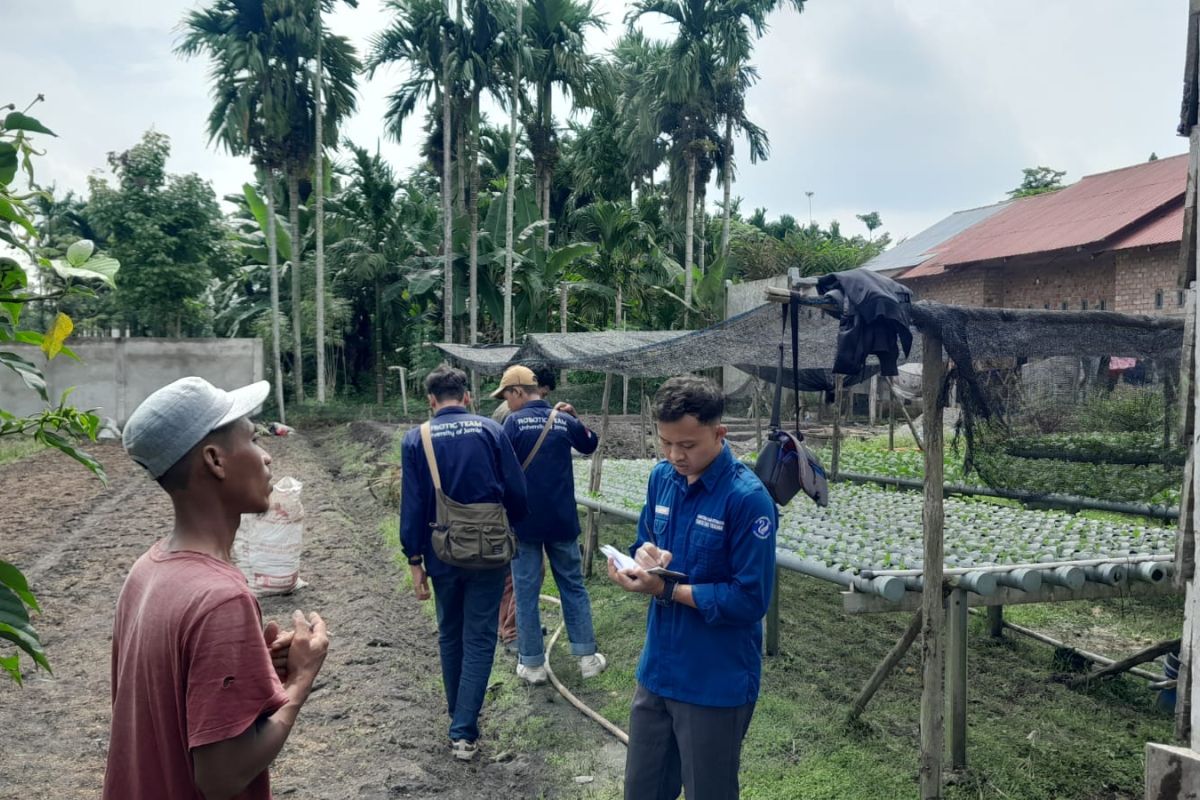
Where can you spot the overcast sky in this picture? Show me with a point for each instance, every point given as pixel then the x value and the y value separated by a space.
pixel 912 108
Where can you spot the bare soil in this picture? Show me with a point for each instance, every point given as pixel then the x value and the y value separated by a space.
pixel 375 726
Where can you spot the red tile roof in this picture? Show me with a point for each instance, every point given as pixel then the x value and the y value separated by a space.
pixel 1090 213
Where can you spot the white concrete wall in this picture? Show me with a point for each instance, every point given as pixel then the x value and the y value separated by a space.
pixel 740 298
pixel 115 375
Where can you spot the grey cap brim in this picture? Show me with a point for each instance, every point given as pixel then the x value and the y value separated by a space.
pixel 245 401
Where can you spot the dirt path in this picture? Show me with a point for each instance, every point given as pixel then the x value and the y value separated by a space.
pixel 374 727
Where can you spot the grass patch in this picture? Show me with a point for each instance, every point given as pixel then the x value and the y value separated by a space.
pixel 14 448
pixel 1029 736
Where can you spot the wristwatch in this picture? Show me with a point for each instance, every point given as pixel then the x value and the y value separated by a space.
pixel 667 596
pixel 415 561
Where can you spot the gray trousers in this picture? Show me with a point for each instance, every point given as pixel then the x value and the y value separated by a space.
pixel 674 745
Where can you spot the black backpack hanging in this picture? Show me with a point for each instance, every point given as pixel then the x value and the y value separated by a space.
pixel 785 465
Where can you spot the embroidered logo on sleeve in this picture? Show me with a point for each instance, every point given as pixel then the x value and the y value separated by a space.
pixel 762 527
pixel 662 511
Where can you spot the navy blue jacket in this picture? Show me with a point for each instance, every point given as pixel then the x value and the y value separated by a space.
pixel 477 465
pixel 721 534
pixel 552 514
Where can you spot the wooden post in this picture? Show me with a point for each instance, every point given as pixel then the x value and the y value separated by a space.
pixel 837 426
pixel 907 418
pixel 624 395
pixel 758 413
pixel 404 388
pixel 772 640
pixel 891 423
pixel 647 428
pixel 932 610
pixel 592 540
pixel 563 287
pixel 995 617
pixel 956 677
pixel 885 668
pixel 873 400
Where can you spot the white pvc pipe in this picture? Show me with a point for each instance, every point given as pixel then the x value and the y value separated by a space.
pixel 1046 565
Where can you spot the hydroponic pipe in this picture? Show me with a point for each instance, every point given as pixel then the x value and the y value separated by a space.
pixel 1152 572
pixel 1068 501
pixel 889 588
pixel 1027 580
pixel 886 586
pixel 981 583
pixel 1110 574
pixel 1045 565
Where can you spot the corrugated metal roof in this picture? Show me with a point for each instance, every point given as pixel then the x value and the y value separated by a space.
pixel 1085 214
pixel 915 249
pixel 1165 229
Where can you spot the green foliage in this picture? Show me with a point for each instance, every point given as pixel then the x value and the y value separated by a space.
pixel 1038 180
pixel 61 427
pixel 1124 409
pixel 762 249
pixel 166 229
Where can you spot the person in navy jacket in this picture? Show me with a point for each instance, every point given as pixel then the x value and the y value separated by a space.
pixel 552 526
pixel 477 465
pixel 709 517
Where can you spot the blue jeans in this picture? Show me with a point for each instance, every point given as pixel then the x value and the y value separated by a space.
pixel 566 565
pixel 468 604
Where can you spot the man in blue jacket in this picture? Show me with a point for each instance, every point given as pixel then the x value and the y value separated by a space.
pixel 552 525
pixel 709 517
pixel 477 465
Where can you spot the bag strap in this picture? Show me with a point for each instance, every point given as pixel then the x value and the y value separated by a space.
pixel 775 407
pixel 538 444
pixel 794 305
pixel 427 441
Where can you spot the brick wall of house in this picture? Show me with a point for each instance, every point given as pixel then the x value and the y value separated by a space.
pixel 965 288
pixel 1049 285
pixel 1129 281
pixel 1146 281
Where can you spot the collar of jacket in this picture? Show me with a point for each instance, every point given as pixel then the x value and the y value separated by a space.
pixel 713 474
pixel 452 410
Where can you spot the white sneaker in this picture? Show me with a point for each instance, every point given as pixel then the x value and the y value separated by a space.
pixel 464 750
pixel 533 675
pixel 592 665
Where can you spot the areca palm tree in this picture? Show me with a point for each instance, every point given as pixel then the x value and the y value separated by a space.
pixel 298 38
pixel 555 32
pixel 248 97
pixel 625 250
pixel 382 229
pixel 418 40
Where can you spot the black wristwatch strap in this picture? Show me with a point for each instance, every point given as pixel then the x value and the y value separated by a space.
pixel 667 596
pixel 415 561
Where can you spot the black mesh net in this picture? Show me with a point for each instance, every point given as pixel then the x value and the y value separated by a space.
pixel 1075 403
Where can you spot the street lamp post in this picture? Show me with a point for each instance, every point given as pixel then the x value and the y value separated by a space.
pixel 809 196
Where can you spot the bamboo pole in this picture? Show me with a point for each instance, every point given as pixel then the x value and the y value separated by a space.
pixel 837 426
pixel 591 541
pixel 932 610
pixel 885 668
pixel 1124 665
pixel 897 398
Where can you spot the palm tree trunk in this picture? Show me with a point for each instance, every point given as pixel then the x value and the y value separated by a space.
pixel 474 209
pixel 268 181
pixel 547 170
pixel 297 289
pixel 702 233
pixel 319 188
pixel 447 209
pixel 688 225
pixel 507 334
pixel 460 160
pixel 727 179
pixel 377 343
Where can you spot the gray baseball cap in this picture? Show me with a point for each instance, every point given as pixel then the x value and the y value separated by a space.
pixel 178 416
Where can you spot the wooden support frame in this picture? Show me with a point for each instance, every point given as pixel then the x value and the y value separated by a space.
pixel 956 677
pixel 772 638
pixel 932 611
pixel 591 541
pixel 885 668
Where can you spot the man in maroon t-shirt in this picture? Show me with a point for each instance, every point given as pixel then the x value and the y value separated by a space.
pixel 203 698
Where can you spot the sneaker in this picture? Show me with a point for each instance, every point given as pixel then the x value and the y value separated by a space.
pixel 464 750
pixel 592 665
pixel 533 675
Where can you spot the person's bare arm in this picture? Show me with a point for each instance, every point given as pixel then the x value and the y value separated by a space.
pixel 223 769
